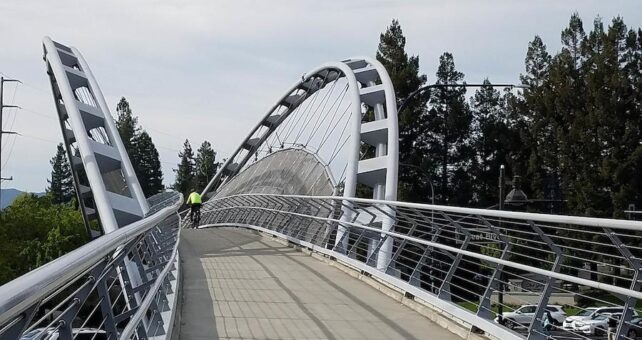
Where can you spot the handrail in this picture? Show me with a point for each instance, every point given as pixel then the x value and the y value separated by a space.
pixel 562 219
pixel 497 261
pixel 449 255
pixel 17 295
pixel 132 325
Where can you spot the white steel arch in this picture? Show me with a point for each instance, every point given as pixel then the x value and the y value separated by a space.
pixel 369 88
pixel 104 178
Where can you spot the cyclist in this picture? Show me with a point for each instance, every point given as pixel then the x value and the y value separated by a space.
pixel 194 201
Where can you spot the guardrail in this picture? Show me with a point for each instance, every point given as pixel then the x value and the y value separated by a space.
pixel 121 285
pixel 469 263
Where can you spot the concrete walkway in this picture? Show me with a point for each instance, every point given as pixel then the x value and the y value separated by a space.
pixel 238 284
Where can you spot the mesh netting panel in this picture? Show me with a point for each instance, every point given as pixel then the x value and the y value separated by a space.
pixel 289 172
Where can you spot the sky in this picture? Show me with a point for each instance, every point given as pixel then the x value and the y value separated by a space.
pixel 208 70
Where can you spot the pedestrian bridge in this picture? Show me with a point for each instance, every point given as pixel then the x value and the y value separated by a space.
pixel 302 236
pixel 239 283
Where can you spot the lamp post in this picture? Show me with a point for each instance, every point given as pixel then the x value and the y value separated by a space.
pixel 515 197
pixel 502 277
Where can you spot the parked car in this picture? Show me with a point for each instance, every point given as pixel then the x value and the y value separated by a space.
pixel 78 333
pixel 523 315
pixel 596 325
pixel 593 322
pixel 582 315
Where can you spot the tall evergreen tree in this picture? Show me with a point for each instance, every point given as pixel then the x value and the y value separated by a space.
pixel 448 141
pixel 539 137
pixel 405 76
pixel 149 170
pixel 140 149
pixel 205 165
pixel 61 187
pixel 127 124
pixel 492 141
pixel 185 174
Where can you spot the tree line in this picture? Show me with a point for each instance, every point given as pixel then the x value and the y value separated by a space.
pixel 573 135
pixel 36 230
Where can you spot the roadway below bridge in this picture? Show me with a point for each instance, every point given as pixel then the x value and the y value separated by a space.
pixel 240 284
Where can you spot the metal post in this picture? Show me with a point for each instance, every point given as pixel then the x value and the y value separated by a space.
pixel 500 296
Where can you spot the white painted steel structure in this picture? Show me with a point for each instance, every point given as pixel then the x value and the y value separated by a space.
pixel 369 88
pixel 111 193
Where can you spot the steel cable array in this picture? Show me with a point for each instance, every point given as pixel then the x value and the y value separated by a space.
pixel 461 256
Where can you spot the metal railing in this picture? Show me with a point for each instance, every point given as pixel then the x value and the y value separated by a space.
pixel 470 264
pixel 121 285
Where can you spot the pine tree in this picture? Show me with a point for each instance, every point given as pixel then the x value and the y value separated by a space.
pixel 538 135
pixel 448 141
pixel 127 124
pixel 61 187
pixel 149 170
pixel 492 140
pixel 404 73
pixel 140 149
pixel 205 165
pixel 185 174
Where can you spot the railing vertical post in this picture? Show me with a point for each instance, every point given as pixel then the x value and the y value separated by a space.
pixel 636 282
pixel 444 290
pixel 536 329
pixel 485 305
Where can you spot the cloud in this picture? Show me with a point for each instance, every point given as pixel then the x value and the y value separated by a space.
pixel 210 69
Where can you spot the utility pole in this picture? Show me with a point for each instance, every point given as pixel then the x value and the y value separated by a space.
pixel 2 132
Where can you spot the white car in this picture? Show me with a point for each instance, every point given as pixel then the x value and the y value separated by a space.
pixel 583 315
pixel 596 325
pixel 523 315
pixel 593 315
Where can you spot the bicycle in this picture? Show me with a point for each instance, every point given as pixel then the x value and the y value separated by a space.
pixel 195 217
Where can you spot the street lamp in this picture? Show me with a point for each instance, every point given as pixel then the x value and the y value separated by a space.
pixel 515 197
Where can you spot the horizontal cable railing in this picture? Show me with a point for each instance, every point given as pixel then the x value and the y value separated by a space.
pixel 477 265
pixel 122 280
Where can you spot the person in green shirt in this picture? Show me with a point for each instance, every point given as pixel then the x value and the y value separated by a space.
pixel 194 201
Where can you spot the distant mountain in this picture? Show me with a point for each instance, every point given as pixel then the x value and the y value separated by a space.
pixel 8 195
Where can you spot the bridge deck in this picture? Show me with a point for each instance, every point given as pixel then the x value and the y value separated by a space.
pixel 238 284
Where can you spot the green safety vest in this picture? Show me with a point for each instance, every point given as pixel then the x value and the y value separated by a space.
pixel 194 198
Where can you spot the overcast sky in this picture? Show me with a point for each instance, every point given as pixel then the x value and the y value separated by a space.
pixel 209 69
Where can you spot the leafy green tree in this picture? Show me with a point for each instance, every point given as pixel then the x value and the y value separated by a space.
pixel 36 230
pixel 61 187
pixel 405 76
pixel 205 165
pixel 185 174
pixel 149 170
